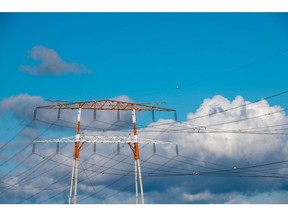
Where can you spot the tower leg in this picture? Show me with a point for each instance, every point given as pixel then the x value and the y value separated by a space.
pixel 76 180
pixel 72 182
pixel 135 150
pixel 140 181
pixel 136 181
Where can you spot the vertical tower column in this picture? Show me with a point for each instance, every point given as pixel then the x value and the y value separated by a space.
pixel 74 176
pixel 138 175
pixel 136 181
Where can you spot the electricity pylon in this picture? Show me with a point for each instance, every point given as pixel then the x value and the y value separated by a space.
pixel 80 140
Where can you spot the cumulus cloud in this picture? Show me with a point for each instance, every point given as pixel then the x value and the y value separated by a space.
pixel 213 163
pixel 55 124
pixel 51 63
pixel 220 134
pixel 22 106
pixel 226 141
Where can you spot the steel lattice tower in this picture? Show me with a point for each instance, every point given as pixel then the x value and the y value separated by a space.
pixel 80 140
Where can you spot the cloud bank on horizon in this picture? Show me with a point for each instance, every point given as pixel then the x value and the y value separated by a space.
pixel 222 158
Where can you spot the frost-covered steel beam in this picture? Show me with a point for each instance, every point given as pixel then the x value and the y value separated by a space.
pixel 102 139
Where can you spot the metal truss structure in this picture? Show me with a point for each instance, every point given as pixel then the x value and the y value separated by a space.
pixel 81 140
pixel 107 105
pixel 102 139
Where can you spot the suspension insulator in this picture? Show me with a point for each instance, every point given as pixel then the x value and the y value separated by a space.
pixel 94 148
pixel 94 115
pixel 154 148
pixel 153 116
pixel 35 113
pixel 33 147
pixel 177 150
pixel 118 148
pixel 57 148
pixel 59 113
pixel 118 115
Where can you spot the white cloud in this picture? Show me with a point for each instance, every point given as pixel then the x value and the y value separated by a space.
pixel 206 195
pixel 250 147
pixel 22 106
pixel 220 151
pixel 205 152
pixel 51 63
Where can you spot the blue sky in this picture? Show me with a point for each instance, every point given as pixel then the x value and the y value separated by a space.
pixel 145 56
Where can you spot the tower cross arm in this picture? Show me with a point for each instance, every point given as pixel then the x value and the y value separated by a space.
pixel 102 139
pixel 106 105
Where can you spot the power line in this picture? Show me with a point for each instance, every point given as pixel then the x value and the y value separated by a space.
pixel 233 171
pixel 222 111
pixel 218 124
pixel 217 173
pixel 25 179
pixel 28 144
pixel 95 173
pixel 240 172
pixel 174 123
pixel 225 72
pixel 17 134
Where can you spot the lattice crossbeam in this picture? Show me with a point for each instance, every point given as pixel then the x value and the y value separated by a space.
pixel 102 139
pixel 106 105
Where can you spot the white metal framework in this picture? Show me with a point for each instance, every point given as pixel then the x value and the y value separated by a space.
pixel 102 139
